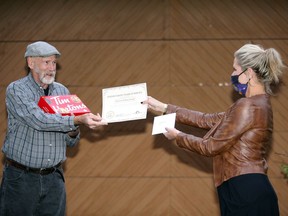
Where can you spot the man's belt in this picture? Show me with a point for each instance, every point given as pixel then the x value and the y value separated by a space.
pixel 40 171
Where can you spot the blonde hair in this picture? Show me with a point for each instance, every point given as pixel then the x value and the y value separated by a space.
pixel 267 64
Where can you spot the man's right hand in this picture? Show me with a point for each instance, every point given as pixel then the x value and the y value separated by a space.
pixel 89 120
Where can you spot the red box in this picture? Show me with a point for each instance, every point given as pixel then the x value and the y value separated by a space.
pixel 63 104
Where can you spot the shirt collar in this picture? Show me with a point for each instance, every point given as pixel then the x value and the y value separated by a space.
pixel 36 85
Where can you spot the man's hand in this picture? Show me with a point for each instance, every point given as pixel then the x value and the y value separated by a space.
pixel 89 120
pixel 74 133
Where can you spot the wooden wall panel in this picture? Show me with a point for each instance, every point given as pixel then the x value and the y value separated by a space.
pixel 136 20
pixel 184 50
pixel 278 154
pixel 3 118
pixel 118 196
pixel 82 20
pixel 280 186
pixel 188 195
pixel 119 149
pixel 210 63
pixel 104 64
pixel 115 63
pixel 228 19
pixel 12 62
pixel 280 109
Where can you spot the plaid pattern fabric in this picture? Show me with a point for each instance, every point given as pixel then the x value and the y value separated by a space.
pixel 34 138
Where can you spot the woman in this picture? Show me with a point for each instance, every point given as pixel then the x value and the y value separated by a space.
pixel 238 139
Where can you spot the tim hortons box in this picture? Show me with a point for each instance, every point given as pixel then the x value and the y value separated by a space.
pixel 63 104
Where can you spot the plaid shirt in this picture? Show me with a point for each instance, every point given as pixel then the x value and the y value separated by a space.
pixel 34 138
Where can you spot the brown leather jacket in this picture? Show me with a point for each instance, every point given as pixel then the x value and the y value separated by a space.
pixel 238 139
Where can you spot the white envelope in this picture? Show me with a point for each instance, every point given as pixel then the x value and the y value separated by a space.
pixel 162 122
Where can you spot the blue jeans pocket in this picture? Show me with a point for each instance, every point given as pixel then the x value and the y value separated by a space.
pixel 13 174
pixel 61 173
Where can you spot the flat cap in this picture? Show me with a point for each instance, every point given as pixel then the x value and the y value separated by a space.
pixel 41 49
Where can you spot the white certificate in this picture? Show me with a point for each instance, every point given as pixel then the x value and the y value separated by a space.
pixel 123 103
pixel 162 122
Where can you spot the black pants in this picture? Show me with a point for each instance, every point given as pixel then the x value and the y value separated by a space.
pixel 248 195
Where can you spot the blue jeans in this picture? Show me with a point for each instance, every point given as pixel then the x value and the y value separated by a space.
pixel 25 193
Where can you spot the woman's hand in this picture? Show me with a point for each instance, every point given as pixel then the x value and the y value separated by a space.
pixel 171 133
pixel 155 105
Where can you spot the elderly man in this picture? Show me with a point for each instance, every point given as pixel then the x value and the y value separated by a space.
pixel 35 144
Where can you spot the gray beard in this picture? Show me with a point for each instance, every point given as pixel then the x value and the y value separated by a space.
pixel 47 81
